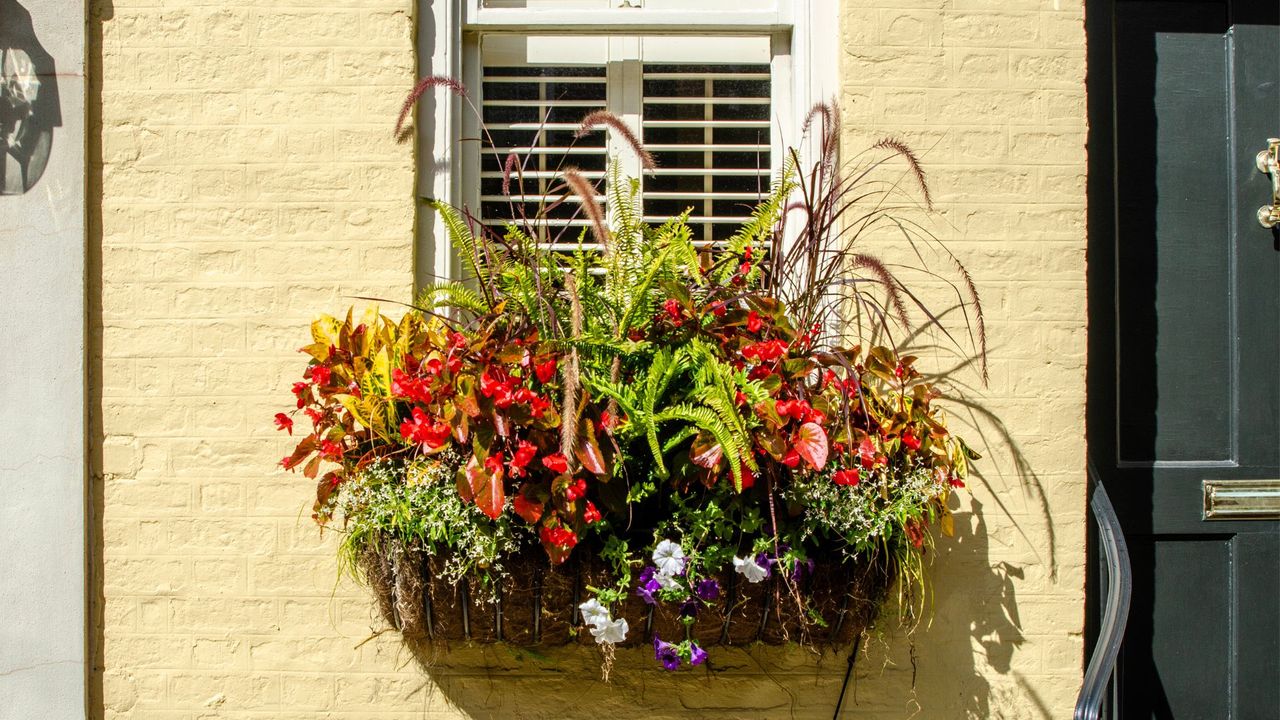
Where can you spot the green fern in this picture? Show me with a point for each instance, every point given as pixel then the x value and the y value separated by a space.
pixel 452 295
pixel 463 242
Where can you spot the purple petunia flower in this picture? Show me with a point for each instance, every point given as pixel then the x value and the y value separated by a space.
pixel 707 590
pixel 648 585
pixel 801 567
pixel 689 608
pixel 666 653
pixel 697 655
pixel 766 561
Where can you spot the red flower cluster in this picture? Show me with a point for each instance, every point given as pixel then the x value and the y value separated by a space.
pixel 422 430
pixel 558 536
pixel 766 351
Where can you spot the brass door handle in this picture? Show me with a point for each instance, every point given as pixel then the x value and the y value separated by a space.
pixel 1268 162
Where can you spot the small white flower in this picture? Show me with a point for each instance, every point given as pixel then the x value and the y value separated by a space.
pixel 666 581
pixel 668 557
pixel 748 567
pixel 593 613
pixel 611 631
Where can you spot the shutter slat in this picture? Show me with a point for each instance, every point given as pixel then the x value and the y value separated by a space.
pixel 539 174
pixel 707 147
pixel 707 76
pixel 550 150
pixel 664 100
pixel 747 196
pixel 739 124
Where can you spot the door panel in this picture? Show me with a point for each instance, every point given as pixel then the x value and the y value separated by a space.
pixel 1184 359
pixel 1173 231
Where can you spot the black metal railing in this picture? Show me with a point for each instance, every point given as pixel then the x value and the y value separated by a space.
pixel 1116 589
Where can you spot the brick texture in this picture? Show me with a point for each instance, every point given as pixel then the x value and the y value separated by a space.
pixel 247 179
pixel 991 94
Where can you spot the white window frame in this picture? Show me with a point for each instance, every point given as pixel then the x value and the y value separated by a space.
pixel 804 66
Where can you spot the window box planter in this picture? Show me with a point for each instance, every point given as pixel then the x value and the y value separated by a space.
pixel 644 439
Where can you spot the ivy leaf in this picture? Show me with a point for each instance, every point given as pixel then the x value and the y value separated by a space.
pixel 811 444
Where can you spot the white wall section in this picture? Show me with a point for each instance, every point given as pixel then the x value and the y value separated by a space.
pixel 42 404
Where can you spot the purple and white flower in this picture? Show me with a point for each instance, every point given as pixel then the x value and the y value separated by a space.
pixel 749 568
pixel 648 585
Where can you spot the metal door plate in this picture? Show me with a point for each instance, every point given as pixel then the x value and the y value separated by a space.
pixel 1241 499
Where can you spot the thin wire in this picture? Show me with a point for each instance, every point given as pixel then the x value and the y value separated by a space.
pixel 847 674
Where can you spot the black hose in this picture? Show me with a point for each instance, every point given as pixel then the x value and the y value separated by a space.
pixel 848 673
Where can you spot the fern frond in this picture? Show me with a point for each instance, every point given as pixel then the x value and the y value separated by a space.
pixel 453 295
pixel 464 243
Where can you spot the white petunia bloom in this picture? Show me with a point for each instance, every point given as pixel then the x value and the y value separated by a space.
pixel 666 581
pixel 750 569
pixel 611 631
pixel 668 557
pixel 593 613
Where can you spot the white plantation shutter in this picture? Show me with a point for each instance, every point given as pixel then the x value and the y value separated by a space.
pixel 708 127
pixel 702 105
pixel 534 111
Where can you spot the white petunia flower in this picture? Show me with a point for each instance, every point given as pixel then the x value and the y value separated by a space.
pixel 750 569
pixel 668 557
pixel 666 581
pixel 593 613
pixel 610 632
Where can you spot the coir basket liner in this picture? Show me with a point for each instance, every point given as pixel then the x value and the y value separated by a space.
pixel 536 604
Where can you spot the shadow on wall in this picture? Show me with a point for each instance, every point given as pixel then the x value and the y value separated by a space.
pixel 975 616
pixel 99 11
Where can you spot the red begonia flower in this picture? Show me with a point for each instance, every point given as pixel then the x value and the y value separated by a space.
pixel 284 422
pixel 545 370
pixel 330 450
pixel 575 490
pixel 910 440
pixel 556 463
pixel 591 515
pixel 766 351
pixel 524 454
pixel 846 477
pixel 791 459
pixel 320 375
pixel 754 323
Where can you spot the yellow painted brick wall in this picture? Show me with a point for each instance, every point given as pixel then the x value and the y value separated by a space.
pixel 991 94
pixel 241 150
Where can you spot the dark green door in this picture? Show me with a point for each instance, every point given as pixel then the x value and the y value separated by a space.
pixel 1184 360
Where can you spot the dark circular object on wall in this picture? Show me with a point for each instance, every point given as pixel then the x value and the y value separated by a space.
pixel 29 106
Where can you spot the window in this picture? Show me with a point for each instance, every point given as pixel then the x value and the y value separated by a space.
pixel 715 94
